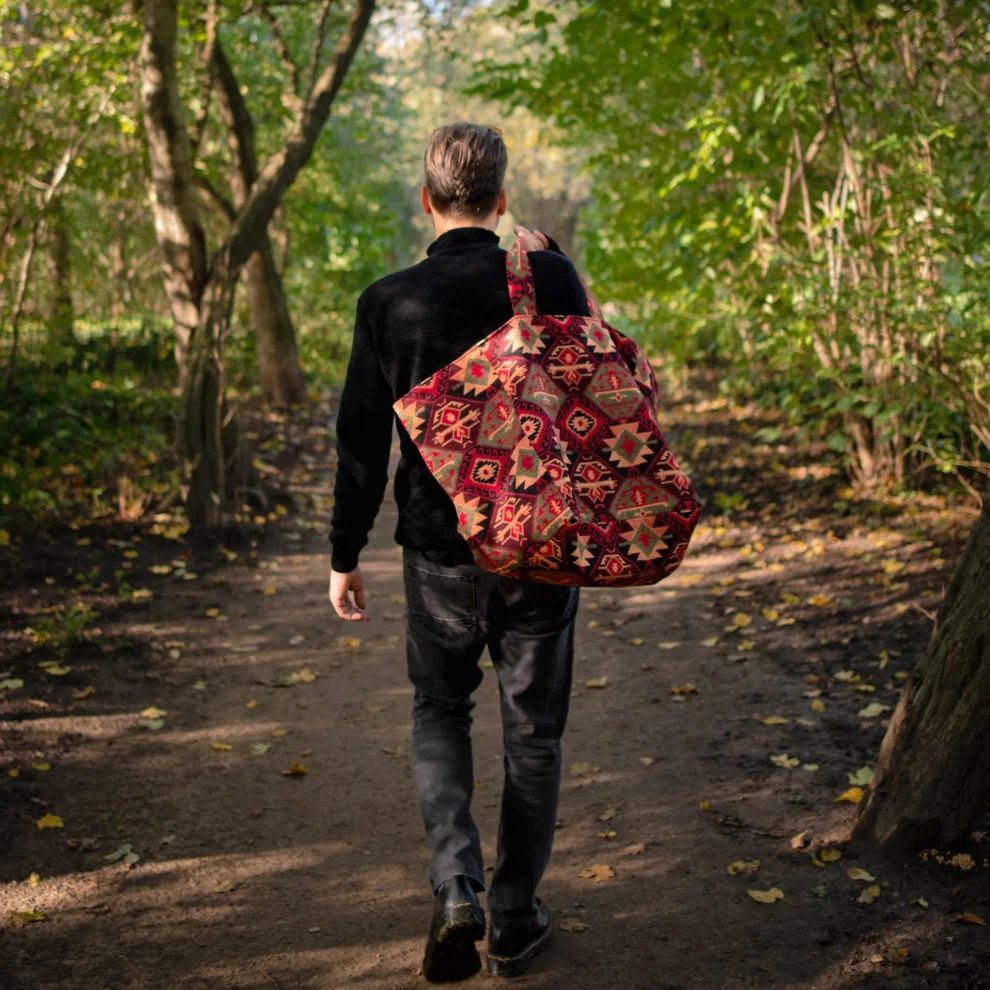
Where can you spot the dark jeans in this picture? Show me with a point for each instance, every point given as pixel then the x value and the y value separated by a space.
pixel 454 612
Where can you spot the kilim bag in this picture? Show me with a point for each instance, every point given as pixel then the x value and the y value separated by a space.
pixel 545 437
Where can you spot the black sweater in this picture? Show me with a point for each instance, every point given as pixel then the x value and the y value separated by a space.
pixel 408 326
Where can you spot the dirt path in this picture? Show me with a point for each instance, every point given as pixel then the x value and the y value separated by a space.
pixel 249 878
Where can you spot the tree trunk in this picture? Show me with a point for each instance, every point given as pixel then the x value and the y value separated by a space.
pixel 281 377
pixel 932 781
pixel 60 313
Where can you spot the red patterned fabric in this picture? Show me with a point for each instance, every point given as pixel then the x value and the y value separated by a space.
pixel 545 437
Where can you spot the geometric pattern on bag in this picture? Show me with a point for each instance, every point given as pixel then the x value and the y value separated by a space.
pixel 545 437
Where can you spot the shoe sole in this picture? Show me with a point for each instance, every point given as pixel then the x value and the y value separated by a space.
pixel 454 954
pixel 510 966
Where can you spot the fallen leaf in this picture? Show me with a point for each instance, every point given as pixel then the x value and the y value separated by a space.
pixel 745 866
pixel 50 821
pixel 818 705
pixel 153 712
pixel 969 918
pixel 347 642
pixel 212 613
pixel 41 767
pixel 847 676
pixel 774 720
pixel 583 769
pixel 597 682
pixel 830 855
pixel 11 684
pixel 28 916
pixel 574 925
pixel 607 834
pixel 151 723
pixel 221 747
pixel 810 767
pixel 861 777
pixel 874 710
pixel 608 814
pixel 635 642
pixel 785 761
pixel 855 873
pixel 259 749
pixel 671 645
pixel 600 872
pixel 200 685
pixel 57 670
pixel 853 796
pixel 767 896
pixel 251 703
pixel 684 689
pixel 84 692
pixel 123 852
pixel 920 901
pixel 741 620
pixel 799 841
pixel 647 761
pixel 710 641
pixel 228 886
pixel 820 600
pixel 868 895
pixel 295 770
pixel 140 595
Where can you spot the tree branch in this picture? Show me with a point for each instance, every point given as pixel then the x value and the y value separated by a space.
pixel 281 49
pixel 240 128
pixel 319 37
pixel 282 167
pixel 215 198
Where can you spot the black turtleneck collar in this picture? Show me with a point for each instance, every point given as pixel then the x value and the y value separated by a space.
pixel 461 237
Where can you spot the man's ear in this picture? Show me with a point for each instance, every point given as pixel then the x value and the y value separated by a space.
pixel 424 198
pixel 500 209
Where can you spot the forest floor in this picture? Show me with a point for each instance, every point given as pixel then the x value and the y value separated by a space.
pixel 151 837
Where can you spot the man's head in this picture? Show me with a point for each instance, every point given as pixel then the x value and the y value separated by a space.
pixel 465 165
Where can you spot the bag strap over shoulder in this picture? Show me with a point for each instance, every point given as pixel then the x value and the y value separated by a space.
pixel 522 291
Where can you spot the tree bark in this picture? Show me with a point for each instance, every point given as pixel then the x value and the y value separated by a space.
pixel 932 781
pixel 279 372
pixel 60 313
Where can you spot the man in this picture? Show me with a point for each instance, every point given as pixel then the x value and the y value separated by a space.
pixel 408 326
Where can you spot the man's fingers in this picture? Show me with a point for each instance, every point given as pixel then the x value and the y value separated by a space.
pixel 359 598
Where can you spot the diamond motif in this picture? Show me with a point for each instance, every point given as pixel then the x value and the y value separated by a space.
pixel 615 391
pixel 593 480
pixel 472 371
pixel 527 468
pixel 472 514
pixel 453 423
pixel 645 540
pixel 569 363
pixel 629 445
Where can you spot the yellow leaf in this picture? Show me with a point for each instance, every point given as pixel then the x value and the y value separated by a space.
pixel 153 712
pixel 597 682
pixel 742 866
pixel 873 710
pixel 4 538
pixel 855 873
pixel 57 670
pixel 710 641
pixel 221 747
pixel 820 600
pixel 41 767
pixel 705 806
pixel 774 720
pixel 50 821
pixel 306 675
pixel 920 901
pixel 969 918
pixel 684 689
pixel 785 761
pixel 741 620
pixel 13 772
pixel 668 645
pixel 600 872
pixel 28 916
pixel 212 613
pixel 810 767
pixel 574 925
pixel 251 703
pixel 689 579
pixel 868 895
pixel 84 692
pixel 849 676
pixel 830 855
pixel 771 614
pixel 608 814
pixel 853 796
pixel 140 595
pixel 268 591
pixel 33 880
pixel 788 599
pixel 767 896
pixel 295 770
pixel 818 705
pixel 636 642
pixel 636 849
pixel 348 642
pixel 800 840
pixel 607 834
pixel 582 769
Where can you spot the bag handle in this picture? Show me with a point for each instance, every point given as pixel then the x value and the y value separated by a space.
pixel 522 290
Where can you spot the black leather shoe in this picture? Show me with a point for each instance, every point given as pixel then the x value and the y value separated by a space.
pixel 513 945
pixel 458 922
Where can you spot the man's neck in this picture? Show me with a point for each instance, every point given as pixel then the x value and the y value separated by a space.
pixel 442 224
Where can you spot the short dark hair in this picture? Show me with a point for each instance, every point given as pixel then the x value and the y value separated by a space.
pixel 465 165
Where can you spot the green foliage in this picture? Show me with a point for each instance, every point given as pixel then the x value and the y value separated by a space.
pixel 795 189
pixel 78 421
pixel 63 630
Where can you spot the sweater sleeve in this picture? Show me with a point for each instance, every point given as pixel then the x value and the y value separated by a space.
pixel 364 440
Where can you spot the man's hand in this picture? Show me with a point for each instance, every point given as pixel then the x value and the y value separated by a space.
pixel 347 595
pixel 532 240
